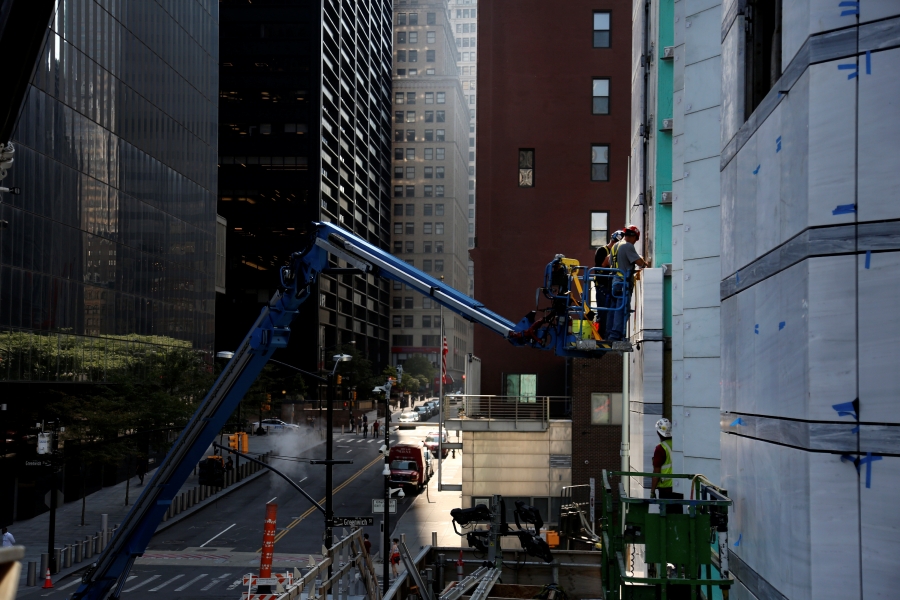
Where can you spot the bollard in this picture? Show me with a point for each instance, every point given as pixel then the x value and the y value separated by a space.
pixel 30 580
pixel 79 552
pixel 440 571
pixel 429 581
pixel 104 528
pixel 45 562
pixel 190 498
pixel 202 493
pixel 434 539
pixel 98 542
pixel 67 556
pixel 57 560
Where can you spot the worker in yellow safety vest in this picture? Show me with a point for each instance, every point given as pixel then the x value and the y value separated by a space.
pixel 661 487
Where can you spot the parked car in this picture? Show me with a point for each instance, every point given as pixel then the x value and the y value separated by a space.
pixel 431 442
pixel 276 425
pixel 424 413
pixel 411 466
pixel 409 417
pixel 435 406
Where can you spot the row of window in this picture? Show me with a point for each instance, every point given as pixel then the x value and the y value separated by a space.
pixel 432 341
pixel 428 321
pixel 467 42
pixel 412 37
pixel 413 72
pixel 413 18
pixel 436 191
pixel 429 209
pixel 599 165
pixel 413 56
pixel 409 228
pixel 408 302
pixel 410 248
pixel 410 172
pixel 430 153
pixel 430 135
pixel 467 57
pixel 466 13
pixel 466 27
pixel 469 71
pixel 430 97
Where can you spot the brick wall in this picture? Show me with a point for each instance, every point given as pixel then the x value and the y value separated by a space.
pixel 596 444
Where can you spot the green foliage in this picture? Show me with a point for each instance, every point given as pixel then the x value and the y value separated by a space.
pixel 420 367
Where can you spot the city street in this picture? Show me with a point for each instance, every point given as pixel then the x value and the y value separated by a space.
pixel 207 553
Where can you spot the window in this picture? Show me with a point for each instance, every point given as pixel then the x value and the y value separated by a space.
pixel 440 154
pixel 429 153
pixel 410 172
pixel 426 248
pixel 429 191
pixel 398 228
pixel 601 29
pixel 413 37
pixel 408 320
pixel 606 409
pixel 431 341
pixel 429 56
pixel 410 154
pixel 398 210
pixel 762 52
pixel 465 28
pixel 398 172
pixel 471 213
pixel 471 198
pixel 410 135
pixel 398 191
pixel 471 171
pixel 439 210
pixel 396 285
pixel 526 167
pixel 429 172
pixel 397 302
pixel 429 99
pixel 426 321
pixel 439 247
pixel 465 42
pixel 413 56
pixel 439 191
pixel 426 302
pixel 410 210
pixel 410 228
pixel 410 97
pixel 471 142
pixel 523 386
pixel 441 116
pixel 401 72
pixel 429 71
pixel 401 55
pixel 437 320
pixel 429 135
pixel 396 321
pixel 599 163
pixel 401 340
pixel 401 18
pixel 426 265
pixel 439 135
pixel 410 191
pixel 398 98
pixel 408 302
pixel 401 37
pixel 428 210
pixel 410 116
pixel 429 114
pixel 398 249
pixel 601 97
pixel 413 72
pixel 466 13
pixel 442 97
pixel 439 228
pixel 413 18
pixel 398 135
pixel 471 228
pixel 410 247
pixel 430 38
pixel 599 228
pixel 430 18
pixel 439 172
pixel 427 228
pixel 439 266
pixel 398 116
pixel 471 157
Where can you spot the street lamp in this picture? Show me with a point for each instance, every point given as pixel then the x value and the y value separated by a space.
pixel 329 450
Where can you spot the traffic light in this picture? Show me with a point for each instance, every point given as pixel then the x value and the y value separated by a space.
pixel 354 394
pixel 233 441
pixel 245 442
pixel 339 380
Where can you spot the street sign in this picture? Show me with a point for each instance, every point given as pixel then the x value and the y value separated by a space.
pixel 352 521
pixel 378 506
pixel 43 446
pixel 37 463
pixel 60 499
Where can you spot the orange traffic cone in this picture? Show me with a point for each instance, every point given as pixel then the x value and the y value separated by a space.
pixel 47 582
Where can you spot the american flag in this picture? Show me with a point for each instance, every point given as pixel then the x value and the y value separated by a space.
pixel 444 353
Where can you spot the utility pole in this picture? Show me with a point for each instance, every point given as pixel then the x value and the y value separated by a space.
pixel 48 444
pixel 386 551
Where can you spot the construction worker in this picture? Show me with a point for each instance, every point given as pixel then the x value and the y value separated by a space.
pixel 661 487
pixel 623 256
pixel 601 284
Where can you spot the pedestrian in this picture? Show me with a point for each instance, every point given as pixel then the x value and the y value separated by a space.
pixel 142 466
pixel 365 425
pixel 8 539
pixel 358 425
pixel 375 426
pixel 229 464
pixel 395 557
pixel 661 487
pixel 367 544
pixel 623 256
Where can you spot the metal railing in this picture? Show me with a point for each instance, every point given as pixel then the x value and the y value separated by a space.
pixel 507 408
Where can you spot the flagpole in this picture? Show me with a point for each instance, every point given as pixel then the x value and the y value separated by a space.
pixel 440 457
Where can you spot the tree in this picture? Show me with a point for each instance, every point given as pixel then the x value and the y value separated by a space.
pixel 421 367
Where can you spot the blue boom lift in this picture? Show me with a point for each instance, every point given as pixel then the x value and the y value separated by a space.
pixel 563 328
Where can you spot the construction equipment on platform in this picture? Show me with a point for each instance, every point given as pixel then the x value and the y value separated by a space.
pixel 574 523
pixel 664 548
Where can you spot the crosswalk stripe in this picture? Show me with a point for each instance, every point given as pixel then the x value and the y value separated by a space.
pixel 68 585
pixel 216 581
pixel 165 583
pixel 185 586
pixel 372 440
pixel 141 584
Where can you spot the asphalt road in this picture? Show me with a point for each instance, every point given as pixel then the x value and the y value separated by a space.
pixel 206 554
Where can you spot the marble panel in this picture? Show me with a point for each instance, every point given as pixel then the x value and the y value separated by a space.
pixel 703 84
pixel 677 292
pixel 733 80
pixel 728 191
pixel 745 205
pixel 677 247
pixel 701 332
pixel 702 382
pixel 702 134
pixel 880 35
pixel 678 199
pixel 728 314
pixel 879 330
pixel 653 372
pixel 832 104
pixel 794 28
pixel 832 330
pixel 824 17
pixel 701 429
pixel 765 330
pixel 678 120
pixel 652 293
pixel 880 439
pixel 740 592
pixel 794 184
pixel 677 337
pixel 701 184
pixel 880 528
pixel 699 464
pixel 879 129
pixel 678 145
pixel 878 236
pixel 692 7
pixel 678 70
pixel 678 14
pixel 768 184
pixel 871 10
pixel 702 35
pixel 790 354
pixel 702 233
pixel 677 382
pixel 701 282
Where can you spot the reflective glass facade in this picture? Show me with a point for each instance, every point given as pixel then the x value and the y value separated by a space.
pixel 110 248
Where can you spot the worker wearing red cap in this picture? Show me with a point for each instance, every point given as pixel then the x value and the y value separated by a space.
pixel 624 257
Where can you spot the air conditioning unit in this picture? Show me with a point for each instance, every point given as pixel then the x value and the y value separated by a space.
pixel 668 52
pixel 666 198
pixel 667 125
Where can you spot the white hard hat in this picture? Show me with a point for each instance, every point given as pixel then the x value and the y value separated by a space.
pixel 664 427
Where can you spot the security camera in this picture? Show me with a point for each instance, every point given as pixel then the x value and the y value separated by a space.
pixel 383 449
pixel 400 494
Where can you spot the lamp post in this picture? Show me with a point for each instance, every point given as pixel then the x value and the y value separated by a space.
pixel 329 450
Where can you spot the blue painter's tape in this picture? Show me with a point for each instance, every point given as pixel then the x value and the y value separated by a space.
pixel 868 62
pixel 846 409
pixel 781 326
pixel 756 329
pixel 738 542
pixel 778 144
pixel 868 258
pixel 868 460
pixel 844 209
pixel 756 170
pixel 850 459
pixel 855 429
pixel 737 422
pixel 849 67
pixel 853 8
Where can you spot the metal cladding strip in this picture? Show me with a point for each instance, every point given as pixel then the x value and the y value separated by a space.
pixel 487 583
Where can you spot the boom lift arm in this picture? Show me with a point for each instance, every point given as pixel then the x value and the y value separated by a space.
pixel 272 331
